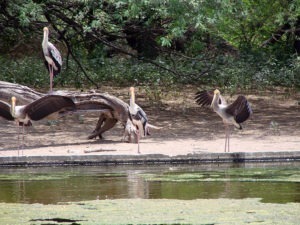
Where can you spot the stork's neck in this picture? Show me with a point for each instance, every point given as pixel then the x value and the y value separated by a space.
pixel 45 39
pixel 13 109
pixel 132 105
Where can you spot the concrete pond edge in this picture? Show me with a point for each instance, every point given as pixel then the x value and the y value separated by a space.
pixel 149 159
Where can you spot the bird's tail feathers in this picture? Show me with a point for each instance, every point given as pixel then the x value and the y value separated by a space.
pixel 154 127
pixel 239 126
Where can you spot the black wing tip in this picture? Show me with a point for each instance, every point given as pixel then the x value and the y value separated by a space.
pixel 246 111
pixel 203 98
pixel 38 110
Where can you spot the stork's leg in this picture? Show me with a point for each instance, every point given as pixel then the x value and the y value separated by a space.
pixel 226 136
pixel 18 139
pixel 51 76
pixel 138 139
pixel 23 137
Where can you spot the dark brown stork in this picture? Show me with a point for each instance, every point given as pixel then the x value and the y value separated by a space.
pixel 35 110
pixel 235 113
pixel 52 56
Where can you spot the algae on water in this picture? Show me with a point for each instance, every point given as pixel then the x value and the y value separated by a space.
pixel 150 211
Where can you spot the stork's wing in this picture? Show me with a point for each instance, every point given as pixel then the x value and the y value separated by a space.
pixel 92 105
pixel 47 105
pixel 140 119
pixel 141 114
pixel 5 111
pixel 240 109
pixel 204 98
pixel 54 53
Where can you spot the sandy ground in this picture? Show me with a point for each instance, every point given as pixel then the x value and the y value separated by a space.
pixel 187 128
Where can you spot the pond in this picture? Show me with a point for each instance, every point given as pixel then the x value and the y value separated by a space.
pixel 270 186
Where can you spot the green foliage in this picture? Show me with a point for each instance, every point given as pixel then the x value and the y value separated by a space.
pixel 24 71
pixel 257 71
pixel 155 42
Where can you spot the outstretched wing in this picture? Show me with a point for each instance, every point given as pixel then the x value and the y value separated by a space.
pixel 5 111
pixel 47 105
pixel 92 105
pixel 240 109
pixel 204 98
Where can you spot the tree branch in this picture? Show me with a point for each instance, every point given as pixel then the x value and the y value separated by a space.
pixel 70 49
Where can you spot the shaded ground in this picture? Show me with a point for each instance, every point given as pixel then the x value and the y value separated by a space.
pixel 275 126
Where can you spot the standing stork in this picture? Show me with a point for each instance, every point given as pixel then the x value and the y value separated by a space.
pixel 234 113
pixel 35 110
pixel 138 117
pixel 53 61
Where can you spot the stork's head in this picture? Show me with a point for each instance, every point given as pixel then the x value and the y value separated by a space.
pixel 131 89
pixel 216 92
pixel 46 31
pixel 215 100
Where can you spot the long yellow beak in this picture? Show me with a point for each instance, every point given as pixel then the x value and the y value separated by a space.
pixel 216 93
pixel 214 99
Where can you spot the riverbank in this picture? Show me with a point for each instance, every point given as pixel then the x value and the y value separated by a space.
pixel 190 134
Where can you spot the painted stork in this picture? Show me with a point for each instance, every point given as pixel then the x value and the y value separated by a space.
pixel 234 113
pixel 35 110
pixel 138 117
pixel 52 56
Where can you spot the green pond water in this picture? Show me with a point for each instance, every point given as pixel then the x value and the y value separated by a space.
pixel 202 194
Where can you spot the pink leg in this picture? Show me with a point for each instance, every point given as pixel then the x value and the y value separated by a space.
pixel 138 140
pixel 23 137
pixel 226 137
pixel 51 76
pixel 18 138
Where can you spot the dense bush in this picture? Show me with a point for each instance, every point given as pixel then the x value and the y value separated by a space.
pixel 232 72
pixel 231 44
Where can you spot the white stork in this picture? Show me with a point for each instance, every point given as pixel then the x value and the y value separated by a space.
pixel 138 117
pixel 234 113
pixel 36 110
pixel 52 56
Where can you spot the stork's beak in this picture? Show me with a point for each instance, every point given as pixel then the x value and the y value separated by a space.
pixel 216 92
pixel 211 105
pixel 131 89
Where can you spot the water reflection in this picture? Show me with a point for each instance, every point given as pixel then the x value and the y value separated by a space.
pixel 277 183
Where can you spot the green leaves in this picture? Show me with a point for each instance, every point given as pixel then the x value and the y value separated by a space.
pixel 165 42
pixel 184 41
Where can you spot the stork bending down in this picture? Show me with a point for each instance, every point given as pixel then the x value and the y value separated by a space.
pixel 36 110
pixel 52 56
pixel 138 117
pixel 235 113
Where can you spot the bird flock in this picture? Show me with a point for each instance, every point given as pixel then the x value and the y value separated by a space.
pixel 112 110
